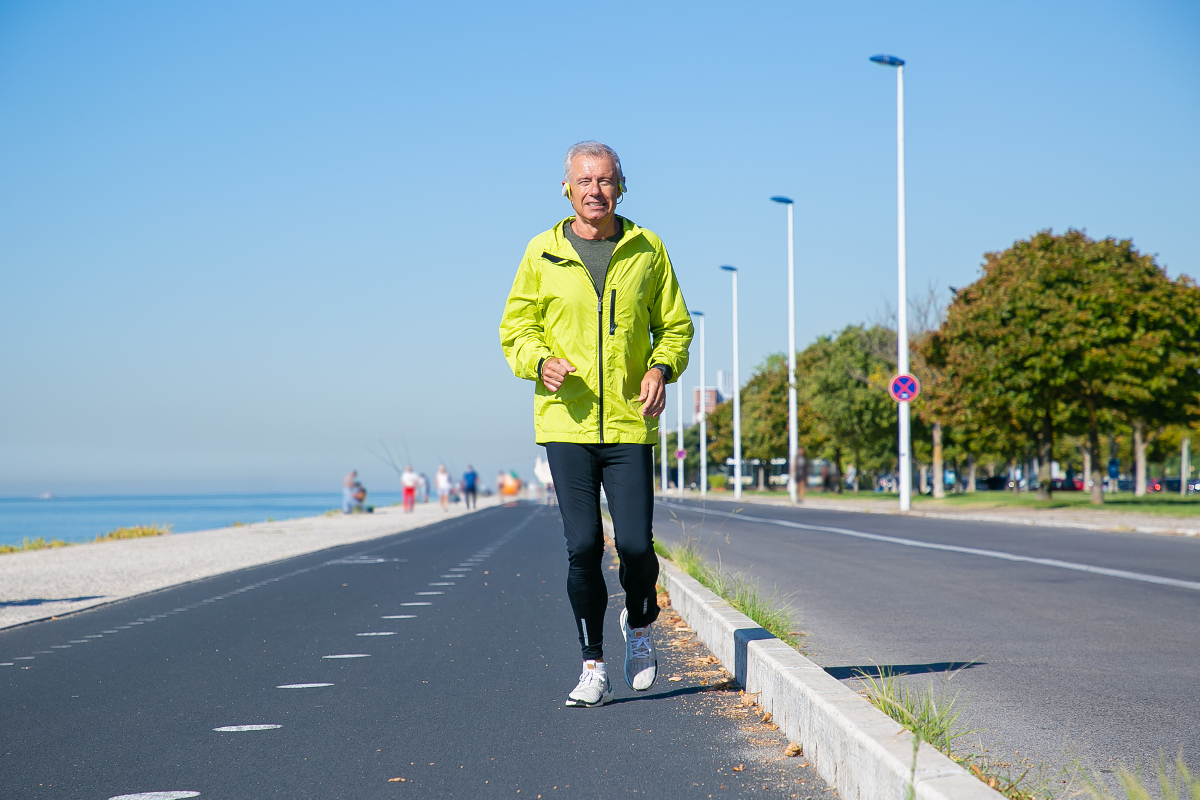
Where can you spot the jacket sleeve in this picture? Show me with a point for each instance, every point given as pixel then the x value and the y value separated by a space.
pixel 670 322
pixel 522 331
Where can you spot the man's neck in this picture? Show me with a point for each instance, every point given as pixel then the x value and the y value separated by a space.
pixel 595 231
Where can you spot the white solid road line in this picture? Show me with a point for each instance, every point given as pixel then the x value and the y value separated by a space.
pixel 242 728
pixel 303 685
pixel 951 548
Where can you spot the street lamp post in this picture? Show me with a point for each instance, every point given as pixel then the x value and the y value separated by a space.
pixel 902 312
pixel 793 437
pixel 737 395
pixel 703 408
pixel 679 438
pixel 662 444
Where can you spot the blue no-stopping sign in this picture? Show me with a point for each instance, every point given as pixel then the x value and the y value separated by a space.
pixel 904 388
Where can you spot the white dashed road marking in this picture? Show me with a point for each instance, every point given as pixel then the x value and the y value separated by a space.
pixel 350 655
pixel 416 604
pixel 400 616
pixel 377 633
pixel 303 685
pixel 426 594
pixel 240 728
pixel 156 796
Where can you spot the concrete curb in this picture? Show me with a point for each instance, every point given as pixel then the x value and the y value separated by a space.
pixel 853 746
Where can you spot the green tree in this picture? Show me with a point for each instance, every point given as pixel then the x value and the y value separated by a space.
pixel 1061 329
pixel 844 386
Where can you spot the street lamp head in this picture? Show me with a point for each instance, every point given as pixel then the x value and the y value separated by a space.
pixel 696 313
pixel 728 268
pixel 781 199
pixel 888 61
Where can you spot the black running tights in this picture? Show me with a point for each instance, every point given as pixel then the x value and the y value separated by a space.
pixel 627 473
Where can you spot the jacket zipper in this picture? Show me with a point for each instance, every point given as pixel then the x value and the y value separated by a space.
pixel 600 357
pixel 612 313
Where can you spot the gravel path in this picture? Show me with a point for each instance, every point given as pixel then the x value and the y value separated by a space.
pixel 48 583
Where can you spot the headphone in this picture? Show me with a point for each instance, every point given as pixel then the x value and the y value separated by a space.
pixel 622 189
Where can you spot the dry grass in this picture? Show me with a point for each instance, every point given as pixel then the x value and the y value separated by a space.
pixel 32 544
pixel 135 532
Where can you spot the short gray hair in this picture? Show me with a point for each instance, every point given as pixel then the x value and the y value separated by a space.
pixel 594 149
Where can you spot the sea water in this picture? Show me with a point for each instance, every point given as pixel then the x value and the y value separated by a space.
pixel 81 519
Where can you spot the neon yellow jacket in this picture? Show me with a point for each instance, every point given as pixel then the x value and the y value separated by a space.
pixel 639 320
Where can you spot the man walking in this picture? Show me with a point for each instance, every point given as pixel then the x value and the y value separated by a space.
pixel 596 318
pixel 470 479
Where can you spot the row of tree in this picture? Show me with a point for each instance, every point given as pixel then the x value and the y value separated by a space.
pixel 1062 342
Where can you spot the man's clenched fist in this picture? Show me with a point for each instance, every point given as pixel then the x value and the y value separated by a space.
pixel 555 371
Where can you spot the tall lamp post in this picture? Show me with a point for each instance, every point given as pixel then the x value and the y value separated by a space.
pixel 737 395
pixel 662 445
pixel 679 438
pixel 703 413
pixel 902 313
pixel 793 437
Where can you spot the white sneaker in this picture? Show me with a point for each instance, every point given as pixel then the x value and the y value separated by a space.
pixel 593 689
pixel 641 662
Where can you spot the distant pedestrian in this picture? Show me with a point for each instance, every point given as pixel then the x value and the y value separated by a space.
pixel 348 491
pixel 443 485
pixel 409 482
pixel 470 479
pixel 423 488
pixel 596 319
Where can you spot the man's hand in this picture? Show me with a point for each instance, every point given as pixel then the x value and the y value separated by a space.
pixel 654 393
pixel 555 371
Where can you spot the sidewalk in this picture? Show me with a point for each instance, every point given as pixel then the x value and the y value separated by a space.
pixel 1080 517
pixel 46 583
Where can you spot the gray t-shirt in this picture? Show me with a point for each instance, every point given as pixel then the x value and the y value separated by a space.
pixel 596 254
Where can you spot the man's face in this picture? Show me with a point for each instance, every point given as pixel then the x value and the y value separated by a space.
pixel 594 188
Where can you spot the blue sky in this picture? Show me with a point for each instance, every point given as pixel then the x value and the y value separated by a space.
pixel 242 242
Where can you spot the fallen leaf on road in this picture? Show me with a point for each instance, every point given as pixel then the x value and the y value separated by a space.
pixel 793 750
pixel 393 780
pixel 739 768
pixel 675 678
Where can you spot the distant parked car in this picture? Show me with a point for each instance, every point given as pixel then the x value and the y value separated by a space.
pixel 1065 485
pixel 996 483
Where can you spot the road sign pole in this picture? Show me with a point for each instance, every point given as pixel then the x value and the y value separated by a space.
pixel 902 310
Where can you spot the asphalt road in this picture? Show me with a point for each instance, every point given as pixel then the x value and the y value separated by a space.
pixel 1097 665
pixel 431 663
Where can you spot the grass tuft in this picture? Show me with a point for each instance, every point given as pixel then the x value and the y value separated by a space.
pixel 135 532
pixel 931 715
pixel 773 612
pixel 1175 784
pixel 33 544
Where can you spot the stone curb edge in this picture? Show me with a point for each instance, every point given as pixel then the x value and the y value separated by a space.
pixel 853 746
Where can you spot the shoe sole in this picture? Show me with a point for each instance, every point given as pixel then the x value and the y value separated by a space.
pixel 625 636
pixel 603 701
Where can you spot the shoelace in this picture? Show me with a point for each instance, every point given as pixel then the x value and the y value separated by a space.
pixel 641 646
pixel 591 676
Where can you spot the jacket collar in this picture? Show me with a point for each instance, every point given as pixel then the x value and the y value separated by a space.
pixel 560 245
